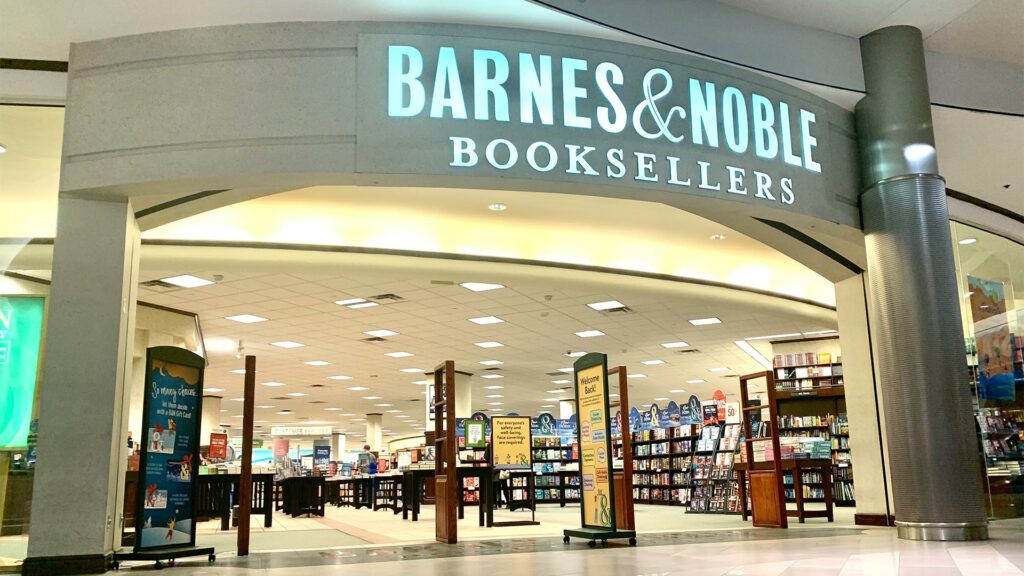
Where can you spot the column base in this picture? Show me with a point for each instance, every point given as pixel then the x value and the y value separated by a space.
pixel 942 531
pixel 61 565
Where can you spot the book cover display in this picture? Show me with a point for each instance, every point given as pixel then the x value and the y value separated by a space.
pixel 993 339
pixel 170 451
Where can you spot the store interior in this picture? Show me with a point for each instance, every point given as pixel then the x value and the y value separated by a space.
pixel 348 308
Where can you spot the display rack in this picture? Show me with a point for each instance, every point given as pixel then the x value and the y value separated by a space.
pixel 811 401
pixel 551 457
pixel 662 465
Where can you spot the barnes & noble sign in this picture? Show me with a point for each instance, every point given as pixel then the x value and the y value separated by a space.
pixel 501 108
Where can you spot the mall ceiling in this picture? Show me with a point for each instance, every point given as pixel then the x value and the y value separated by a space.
pixel 422 301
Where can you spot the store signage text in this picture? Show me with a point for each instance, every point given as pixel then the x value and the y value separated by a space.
pixel 583 98
pixel 301 430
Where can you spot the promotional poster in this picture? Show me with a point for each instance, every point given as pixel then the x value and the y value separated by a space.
pixel 169 456
pixel 511 442
pixel 594 445
pixel 21 336
pixel 993 339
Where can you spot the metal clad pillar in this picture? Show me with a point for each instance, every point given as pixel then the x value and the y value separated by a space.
pixel 914 302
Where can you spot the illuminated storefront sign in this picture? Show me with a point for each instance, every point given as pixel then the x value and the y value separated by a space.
pixel 603 117
pixel 21 336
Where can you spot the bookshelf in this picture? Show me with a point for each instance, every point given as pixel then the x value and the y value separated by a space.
pixel 663 465
pixel 714 487
pixel 554 482
pixel 811 401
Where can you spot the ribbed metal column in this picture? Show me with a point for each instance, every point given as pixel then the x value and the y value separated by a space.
pixel 914 302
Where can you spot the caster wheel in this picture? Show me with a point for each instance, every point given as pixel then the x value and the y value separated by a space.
pixel 159 566
pixel 115 565
pixel 632 541
pixel 171 562
pixel 604 542
pixel 212 558
pixel 565 539
pixel 592 544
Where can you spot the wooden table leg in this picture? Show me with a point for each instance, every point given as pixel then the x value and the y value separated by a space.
pixel 798 491
pixel 741 483
pixel 826 480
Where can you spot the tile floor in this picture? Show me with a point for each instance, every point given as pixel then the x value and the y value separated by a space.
pixel 810 551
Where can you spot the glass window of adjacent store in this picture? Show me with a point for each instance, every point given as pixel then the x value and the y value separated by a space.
pixel 990 272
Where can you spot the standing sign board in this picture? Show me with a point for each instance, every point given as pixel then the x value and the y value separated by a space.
pixel 475 430
pixel 170 450
pixel 218 445
pixel 511 443
pixel 597 498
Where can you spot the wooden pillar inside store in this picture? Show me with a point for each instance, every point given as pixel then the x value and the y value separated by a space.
pixel 446 475
pixel 245 482
pixel 624 515
pixel 767 495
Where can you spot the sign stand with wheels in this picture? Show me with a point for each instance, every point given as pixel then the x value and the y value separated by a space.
pixel 168 465
pixel 598 509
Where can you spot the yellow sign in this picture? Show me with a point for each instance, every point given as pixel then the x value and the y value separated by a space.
pixel 595 456
pixel 510 442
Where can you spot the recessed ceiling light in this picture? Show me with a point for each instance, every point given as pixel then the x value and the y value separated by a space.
pixel 287 344
pixel 246 318
pixel 561 381
pixel 552 399
pixel 381 333
pixel 606 305
pixel 480 286
pixel 317 363
pixel 671 345
pixel 678 391
pixel 661 399
pixel 3 149
pixel 495 403
pixel 493 387
pixel 696 381
pixel 273 384
pixel 213 390
pixel 566 370
pixel 223 410
pixel 339 377
pixel 347 414
pixel 589 333
pixel 491 362
pixel 362 305
pixel 497 207
pixel 350 301
pixel 296 394
pixel 754 353
pixel 820 332
pixel 613 395
pixel 547 406
pixel 484 320
pixel 412 370
pixel 718 369
pixel 555 391
pixel 398 354
pixel 332 409
pixel 402 415
pixel 393 412
pixel 575 354
pixel 239 399
pixel 265 406
pixel 967 241
pixel 237 371
pixel 186 281
pixel 705 321
pixel 285 412
pixel 384 405
pixel 718 237
pixel 357 388
pixel 422 382
pixel 775 336
pixel 494 396
pixel 492 376
pixel 637 375
pixel 371 397
pixel 652 362
pixel 359 419
pixel 489 344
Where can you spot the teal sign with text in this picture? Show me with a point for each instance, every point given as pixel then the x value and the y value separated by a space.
pixel 21 338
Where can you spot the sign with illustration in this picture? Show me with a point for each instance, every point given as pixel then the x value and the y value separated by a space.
pixel 170 449
pixel 511 442
pixel 321 456
pixel 21 339
pixel 597 501
pixel 694 411
pixel 475 431
pixel 993 339
pixel 218 445
pixel 546 425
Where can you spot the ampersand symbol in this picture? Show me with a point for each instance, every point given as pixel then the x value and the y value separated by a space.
pixel 649 105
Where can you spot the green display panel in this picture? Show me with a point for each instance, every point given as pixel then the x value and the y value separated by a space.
pixel 21 338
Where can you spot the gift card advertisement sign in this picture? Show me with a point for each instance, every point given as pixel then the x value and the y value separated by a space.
pixel 595 460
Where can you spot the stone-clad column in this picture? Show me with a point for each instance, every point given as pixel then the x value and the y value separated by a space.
pixel 914 302
pixel 76 506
